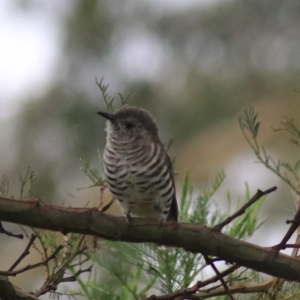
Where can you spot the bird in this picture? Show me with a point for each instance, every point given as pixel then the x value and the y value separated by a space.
pixel 138 170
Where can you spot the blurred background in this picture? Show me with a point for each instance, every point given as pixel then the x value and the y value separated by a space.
pixel 195 65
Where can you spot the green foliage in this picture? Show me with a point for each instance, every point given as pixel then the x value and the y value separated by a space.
pixel 244 226
pixel 286 171
pixel 4 186
pixel 290 127
pixel 27 184
pixel 72 255
pixel 135 271
pixel 92 173
pixel 132 271
pixel 70 252
pixel 201 206
pixel 107 99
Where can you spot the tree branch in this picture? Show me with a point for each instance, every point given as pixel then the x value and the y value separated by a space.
pixel 25 253
pixel 242 210
pixel 9 291
pixel 30 267
pixel 237 289
pixel 191 237
pixel 2 230
pixel 189 292
pixel 53 285
pixel 294 225
pixel 220 277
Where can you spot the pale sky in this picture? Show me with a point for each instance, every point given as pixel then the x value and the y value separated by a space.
pixel 29 48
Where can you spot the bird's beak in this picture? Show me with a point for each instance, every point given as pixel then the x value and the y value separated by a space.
pixel 106 115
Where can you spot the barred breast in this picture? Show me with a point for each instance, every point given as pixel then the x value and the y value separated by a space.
pixel 139 175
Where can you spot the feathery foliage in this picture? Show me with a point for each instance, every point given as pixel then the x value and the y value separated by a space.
pixel 286 171
pixel 132 271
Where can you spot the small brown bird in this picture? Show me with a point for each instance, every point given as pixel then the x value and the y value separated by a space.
pixel 138 170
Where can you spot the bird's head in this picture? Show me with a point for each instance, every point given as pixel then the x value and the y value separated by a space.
pixel 130 122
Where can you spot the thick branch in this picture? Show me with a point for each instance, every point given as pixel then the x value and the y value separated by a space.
pixel 191 237
pixel 9 291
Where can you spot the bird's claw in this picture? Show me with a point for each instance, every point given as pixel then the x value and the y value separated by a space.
pixel 128 217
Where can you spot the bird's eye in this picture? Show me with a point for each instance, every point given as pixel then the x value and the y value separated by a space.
pixel 129 125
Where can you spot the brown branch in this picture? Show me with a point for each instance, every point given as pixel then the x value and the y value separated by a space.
pixel 296 246
pixel 194 293
pixel 102 188
pixel 278 282
pixel 55 283
pixel 242 210
pixel 237 289
pixel 2 230
pixel 186 292
pixel 25 253
pixel 8 291
pixel 219 276
pixel 74 277
pixel 30 267
pixel 294 225
pixel 191 237
pixel 107 206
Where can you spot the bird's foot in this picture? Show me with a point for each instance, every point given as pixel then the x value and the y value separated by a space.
pixel 173 223
pixel 162 223
pixel 128 217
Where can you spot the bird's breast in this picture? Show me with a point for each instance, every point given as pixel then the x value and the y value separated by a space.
pixel 130 167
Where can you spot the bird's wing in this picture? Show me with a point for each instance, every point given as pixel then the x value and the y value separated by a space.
pixel 173 214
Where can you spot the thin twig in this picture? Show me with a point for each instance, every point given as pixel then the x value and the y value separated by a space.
pixel 25 253
pixel 74 277
pixel 225 286
pixel 239 288
pixel 192 290
pixel 290 232
pixel 296 222
pixel 242 210
pixel 2 230
pixel 103 88
pixel 295 246
pixel 53 285
pixel 107 206
pixel 29 267
pixel 102 188
pixel 34 246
